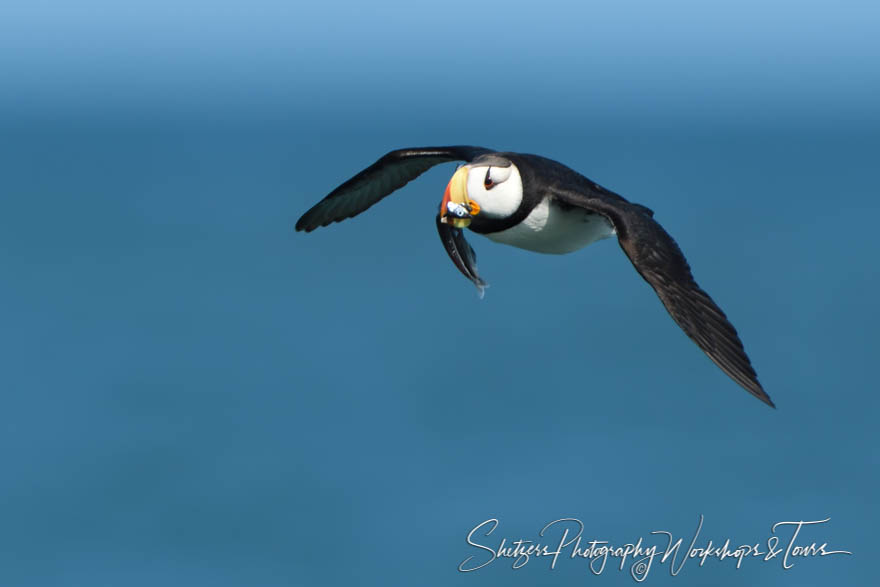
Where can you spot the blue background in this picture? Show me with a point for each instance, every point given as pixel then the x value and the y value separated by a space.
pixel 195 394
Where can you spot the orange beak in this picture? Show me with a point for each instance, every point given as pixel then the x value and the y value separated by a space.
pixel 456 209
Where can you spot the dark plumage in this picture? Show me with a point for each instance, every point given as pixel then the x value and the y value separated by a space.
pixel 390 173
pixel 652 251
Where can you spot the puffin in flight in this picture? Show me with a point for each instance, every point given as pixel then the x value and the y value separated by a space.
pixel 538 204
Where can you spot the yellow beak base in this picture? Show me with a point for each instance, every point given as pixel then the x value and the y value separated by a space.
pixel 456 209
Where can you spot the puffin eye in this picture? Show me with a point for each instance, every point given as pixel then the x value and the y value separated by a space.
pixel 496 175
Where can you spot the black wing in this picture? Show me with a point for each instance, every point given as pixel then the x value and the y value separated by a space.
pixel 461 253
pixel 657 258
pixel 389 173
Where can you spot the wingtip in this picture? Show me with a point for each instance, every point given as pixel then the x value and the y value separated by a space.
pixel 303 224
pixel 758 392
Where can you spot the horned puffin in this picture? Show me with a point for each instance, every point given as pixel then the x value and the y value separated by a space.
pixel 538 204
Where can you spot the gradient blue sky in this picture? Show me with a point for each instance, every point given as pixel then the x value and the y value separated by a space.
pixel 196 395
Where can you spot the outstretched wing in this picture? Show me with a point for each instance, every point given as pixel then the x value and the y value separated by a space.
pixel 461 253
pixel 389 173
pixel 657 258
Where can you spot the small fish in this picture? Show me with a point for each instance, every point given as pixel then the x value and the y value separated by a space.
pixel 458 210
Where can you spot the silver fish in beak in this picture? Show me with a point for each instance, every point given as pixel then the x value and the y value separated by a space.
pixel 456 209
pixel 456 212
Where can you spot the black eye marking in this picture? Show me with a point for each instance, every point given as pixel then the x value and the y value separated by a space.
pixel 488 183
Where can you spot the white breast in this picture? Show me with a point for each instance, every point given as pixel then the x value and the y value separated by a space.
pixel 552 229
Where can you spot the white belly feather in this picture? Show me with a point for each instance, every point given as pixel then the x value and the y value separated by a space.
pixel 551 229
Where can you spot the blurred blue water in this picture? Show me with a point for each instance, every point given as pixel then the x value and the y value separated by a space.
pixel 195 394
